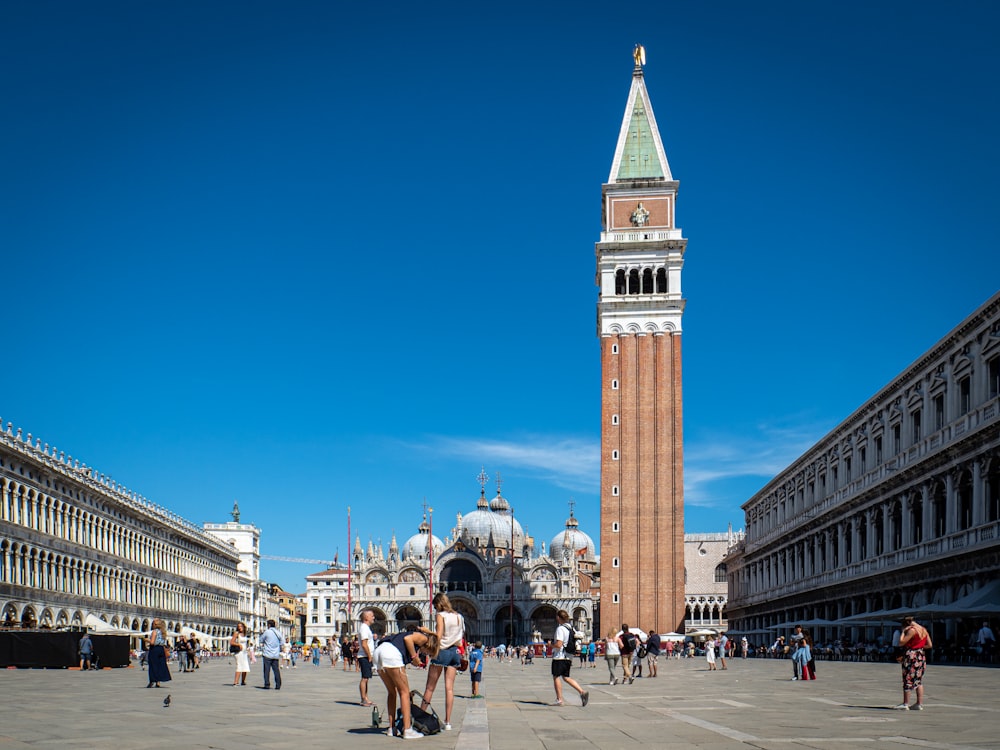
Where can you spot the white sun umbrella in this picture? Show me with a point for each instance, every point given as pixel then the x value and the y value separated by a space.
pixel 637 631
pixel 672 636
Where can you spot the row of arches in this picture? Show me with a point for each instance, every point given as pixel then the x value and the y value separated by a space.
pixel 955 503
pixel 32 567
pixel 24 505
pixel 15 614
pixel 641 281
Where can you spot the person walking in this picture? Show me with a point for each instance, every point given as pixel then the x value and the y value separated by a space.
pixel 86 650
pixel 802 656
pixel 157 658
pixel 914 639
pixel 391 656
pixel 239 641
pixel 612 655
pixel 710 654
pixel 181 648
pixel 366 649
pixel 592 654
pixel 626 645
pixel 723 644
pixel 653 651
pixel 193 647
pixel 450 630
pixel 333 649
pixel 271 642
pixel 986 640
pixel 794 641
pixel 562 662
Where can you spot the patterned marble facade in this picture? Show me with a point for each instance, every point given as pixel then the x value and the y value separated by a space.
pixel 706 583
pixel 488 566
pixel 77 549
pixel 897 508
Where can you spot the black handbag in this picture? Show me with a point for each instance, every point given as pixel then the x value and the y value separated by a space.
pixel 234 648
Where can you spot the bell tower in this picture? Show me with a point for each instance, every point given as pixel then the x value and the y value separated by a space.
pixel 639 309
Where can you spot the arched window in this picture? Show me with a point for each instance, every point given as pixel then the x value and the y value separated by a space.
pixel 633 281
pixel 661 281
pixel 620 281
pixel 720 573
pixel 647 281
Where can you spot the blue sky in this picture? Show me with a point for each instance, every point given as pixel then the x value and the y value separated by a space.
pixel 311 255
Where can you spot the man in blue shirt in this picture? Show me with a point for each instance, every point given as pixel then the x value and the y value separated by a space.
pixel 86 649
pixel 271 642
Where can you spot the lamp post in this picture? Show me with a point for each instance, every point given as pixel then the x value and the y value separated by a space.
pixel 350 569
pixel 430 568
pixel 511 575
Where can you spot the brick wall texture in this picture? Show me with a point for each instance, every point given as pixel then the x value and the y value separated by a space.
pixel 642 485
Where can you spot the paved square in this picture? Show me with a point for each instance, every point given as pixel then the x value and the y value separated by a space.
pixel 753 704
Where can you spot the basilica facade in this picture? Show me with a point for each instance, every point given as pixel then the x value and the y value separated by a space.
pixel 507 589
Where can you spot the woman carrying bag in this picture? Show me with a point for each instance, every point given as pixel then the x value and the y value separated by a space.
pixel 238 647
pixel 450 632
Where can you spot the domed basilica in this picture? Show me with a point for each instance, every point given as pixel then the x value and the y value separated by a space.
pixel 502 599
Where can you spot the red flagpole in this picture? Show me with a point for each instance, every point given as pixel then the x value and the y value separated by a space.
pixel 350 567
pixel 430 571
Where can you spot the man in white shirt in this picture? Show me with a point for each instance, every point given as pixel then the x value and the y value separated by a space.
pixel 366 640
pixel 562 662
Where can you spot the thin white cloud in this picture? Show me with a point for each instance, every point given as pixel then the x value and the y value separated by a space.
pixel 714 462
pixel 570 463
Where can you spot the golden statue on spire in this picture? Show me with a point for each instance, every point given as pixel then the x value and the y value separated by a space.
pixel 639 54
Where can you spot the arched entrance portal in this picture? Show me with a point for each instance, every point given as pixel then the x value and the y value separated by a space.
pixel 471 616
pixel 407 617
pixel 543 620
pixel 507 631
pixel 379 627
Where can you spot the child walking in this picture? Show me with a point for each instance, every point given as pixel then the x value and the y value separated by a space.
pixel 476 668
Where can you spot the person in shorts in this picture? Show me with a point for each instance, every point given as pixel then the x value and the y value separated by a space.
pixel 390 657
pixel 562 662
pixel 653 650
pixel 476 668
pixel 450 631
pixel 366 642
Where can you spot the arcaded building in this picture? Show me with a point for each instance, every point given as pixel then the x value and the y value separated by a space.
pixel 79 550
pixel 639 309
pixel 897 509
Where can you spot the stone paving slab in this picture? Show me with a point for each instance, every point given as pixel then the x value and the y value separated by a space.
pixel 753 704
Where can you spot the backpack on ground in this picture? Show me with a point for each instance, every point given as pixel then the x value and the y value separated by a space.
pixel 424 720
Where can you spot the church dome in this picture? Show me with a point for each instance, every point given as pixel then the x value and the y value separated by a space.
pixel 572 540
pixel 491 519
pixel 416 545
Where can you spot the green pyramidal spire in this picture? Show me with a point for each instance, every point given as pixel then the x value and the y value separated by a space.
pixel 640 154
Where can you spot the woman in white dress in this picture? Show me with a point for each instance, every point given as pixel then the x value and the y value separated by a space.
pixel 710 653
pixel 242 660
